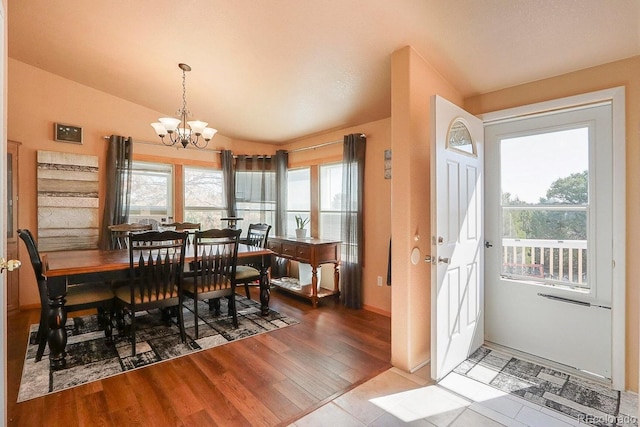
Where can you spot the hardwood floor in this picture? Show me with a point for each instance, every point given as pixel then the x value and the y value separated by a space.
pixel 271 379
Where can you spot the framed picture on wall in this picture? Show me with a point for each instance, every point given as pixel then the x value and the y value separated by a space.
pixel 67 133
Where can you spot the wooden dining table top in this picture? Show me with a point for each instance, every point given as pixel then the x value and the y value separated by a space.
pixel 66 263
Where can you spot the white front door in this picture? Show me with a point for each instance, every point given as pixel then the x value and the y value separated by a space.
pixel 550 223
pixel 457 324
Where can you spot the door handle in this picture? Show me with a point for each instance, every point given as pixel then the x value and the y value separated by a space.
pixel 9 265
pixel 442 260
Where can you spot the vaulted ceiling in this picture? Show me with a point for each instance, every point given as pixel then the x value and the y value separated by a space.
pixel 276 70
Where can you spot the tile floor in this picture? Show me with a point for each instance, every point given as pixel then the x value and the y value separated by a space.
pixel 396 398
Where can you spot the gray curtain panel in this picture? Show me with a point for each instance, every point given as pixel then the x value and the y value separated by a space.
pixel 228 175
pixel 117 197
pixel 352 220
pixel 282 163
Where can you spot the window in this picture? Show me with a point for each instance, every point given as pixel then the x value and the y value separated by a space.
pixel 204 196
pixel 298 196
pixel 151 191
pixel 330 201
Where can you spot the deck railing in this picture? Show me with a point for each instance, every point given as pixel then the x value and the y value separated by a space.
pixel 560 261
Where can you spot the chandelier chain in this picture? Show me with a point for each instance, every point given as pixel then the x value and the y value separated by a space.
pixel 184 93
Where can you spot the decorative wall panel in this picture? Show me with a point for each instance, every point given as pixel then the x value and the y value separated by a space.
pixel 68 216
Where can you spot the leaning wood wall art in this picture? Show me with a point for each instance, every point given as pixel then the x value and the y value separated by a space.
pixel 68 216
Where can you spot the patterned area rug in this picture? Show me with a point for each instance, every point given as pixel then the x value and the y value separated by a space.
pixel 89 358
pixel 586 401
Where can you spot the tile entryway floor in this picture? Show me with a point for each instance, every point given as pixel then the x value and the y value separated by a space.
pixel 465 398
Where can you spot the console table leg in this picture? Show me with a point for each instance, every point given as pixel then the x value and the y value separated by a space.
pixel 336 278
pixel 314 286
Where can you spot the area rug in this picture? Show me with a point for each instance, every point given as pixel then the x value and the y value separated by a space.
pixel 587 401
pixel 90 358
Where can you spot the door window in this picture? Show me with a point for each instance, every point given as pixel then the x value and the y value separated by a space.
pixel 544 180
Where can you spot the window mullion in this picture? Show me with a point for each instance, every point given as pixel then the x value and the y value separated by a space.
pixel 315 201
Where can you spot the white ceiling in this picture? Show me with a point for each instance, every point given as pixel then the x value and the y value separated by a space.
pixel 276 70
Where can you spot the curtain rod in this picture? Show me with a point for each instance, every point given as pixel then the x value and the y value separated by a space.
pixel 324 144
pixel 135 141
pixel 313 147
pixel 295 150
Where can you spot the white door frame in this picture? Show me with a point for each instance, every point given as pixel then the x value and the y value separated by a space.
pixel 617 98
pixel 3 206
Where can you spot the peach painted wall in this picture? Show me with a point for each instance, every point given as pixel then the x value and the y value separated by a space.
pixel 413 82
pixel 37 99
pixel 621 73
pixel 377 201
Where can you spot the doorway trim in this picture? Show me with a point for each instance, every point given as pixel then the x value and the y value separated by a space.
pixel 616 96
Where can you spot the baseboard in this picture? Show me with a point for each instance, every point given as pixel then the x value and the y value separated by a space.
pixel 376 310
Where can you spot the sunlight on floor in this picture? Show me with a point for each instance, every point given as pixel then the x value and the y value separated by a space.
pixel 420 403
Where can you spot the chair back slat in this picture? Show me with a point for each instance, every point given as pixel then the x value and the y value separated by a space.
pixel 120 234
pixel 257 235
pixel 216 256
pixel 156 262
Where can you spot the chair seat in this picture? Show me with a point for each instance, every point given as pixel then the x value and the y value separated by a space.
pixel 124 293
pixel 244 272
pixel 189 284
pixel 87 294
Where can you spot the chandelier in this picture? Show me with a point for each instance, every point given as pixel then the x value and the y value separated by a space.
pixel 177 129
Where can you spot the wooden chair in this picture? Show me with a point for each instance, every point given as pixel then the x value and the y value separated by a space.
pixel 257 235
pixel 190 227
pixel 185 226
pixel 120 234
pixel 79 297
pixel 214 268
pixel 156 265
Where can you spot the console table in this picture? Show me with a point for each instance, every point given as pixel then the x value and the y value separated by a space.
pixel 311 251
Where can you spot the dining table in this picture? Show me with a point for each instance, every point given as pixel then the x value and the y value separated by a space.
pixel 75 267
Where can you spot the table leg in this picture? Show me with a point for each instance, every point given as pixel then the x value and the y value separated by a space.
pixel 57 320
pixel 265 286
pixel 314 286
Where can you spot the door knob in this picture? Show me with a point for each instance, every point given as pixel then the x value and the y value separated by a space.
pixel 442 260
pixel 9 265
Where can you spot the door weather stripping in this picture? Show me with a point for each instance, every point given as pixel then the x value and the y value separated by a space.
pixel 572 301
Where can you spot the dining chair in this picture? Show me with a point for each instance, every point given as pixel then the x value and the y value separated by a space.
pixel 156 265
pixel 257 235
pixel 190 227
pixel 120 233
pixel 185 226
pixel 79 296
pixel 214 268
